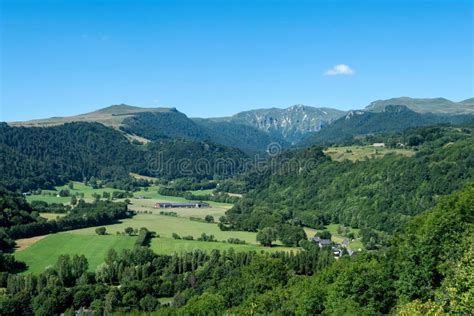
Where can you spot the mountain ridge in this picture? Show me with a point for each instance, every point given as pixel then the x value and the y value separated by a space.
pixel 253 130
pixel 426 105
pixel 288 123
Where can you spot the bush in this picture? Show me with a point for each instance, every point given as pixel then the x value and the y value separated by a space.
pixel 235 241
pixel 101 231
pixel 205 237
pixel 209 219
pixel 144 237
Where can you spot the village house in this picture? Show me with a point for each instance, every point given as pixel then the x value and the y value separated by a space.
pixel 321 242
pixel 345 243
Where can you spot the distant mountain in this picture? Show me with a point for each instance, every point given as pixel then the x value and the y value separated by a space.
pixel 252 131
pixel 393 118
pixel 435 105
pixel 469 102
pixel 176 125
pixel 248 138
pixel 289 124
pixel 151 124
pixel 110 116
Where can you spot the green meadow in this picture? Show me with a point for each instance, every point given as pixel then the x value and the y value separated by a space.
pixel 165 226
pixel 355 153
pixel 145 197
pixel 45 252
pixel 50 196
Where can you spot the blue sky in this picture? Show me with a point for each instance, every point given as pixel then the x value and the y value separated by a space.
pixel 216 58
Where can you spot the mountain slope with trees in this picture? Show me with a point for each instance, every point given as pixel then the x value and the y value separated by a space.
pixel 307 188
pixel 393 118
pixel 44 157
pixel 289 124
pixel 433 105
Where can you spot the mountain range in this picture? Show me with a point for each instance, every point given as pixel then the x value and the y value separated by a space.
pixel 433 105
pixel 252 131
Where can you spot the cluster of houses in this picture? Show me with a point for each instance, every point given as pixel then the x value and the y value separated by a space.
pixel 337 249
pixel 181 205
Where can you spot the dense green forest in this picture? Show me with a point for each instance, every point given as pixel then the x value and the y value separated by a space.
pixel 427 269
pixel 307 188
pixel 238 135
pixel 394 118
pixel 45 157
pixel 49 156
pixel 172 124
pixel 178 158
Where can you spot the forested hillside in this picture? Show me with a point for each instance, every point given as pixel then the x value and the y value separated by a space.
pixel 48 156
pixel 171 159
pixel 43 157
pixel 307 188
pixel 176 125
pixel 172 124
pixel 393 118
pixel 247 138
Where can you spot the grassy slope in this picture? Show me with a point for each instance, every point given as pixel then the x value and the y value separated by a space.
pixel 168 245
pixel 45 252
pixel 165 226
pixel 151 196
pixel 355 153
pixel 49 196
pixel 85 241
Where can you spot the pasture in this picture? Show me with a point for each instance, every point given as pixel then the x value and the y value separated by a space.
pixel 354 153
pixel 50 196
pixel 51 216
pixel 45 252
pixel 168 246
pixel 39 253
pixel 165 226
pixel 143 200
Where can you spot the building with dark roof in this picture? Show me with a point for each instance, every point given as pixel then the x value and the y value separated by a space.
pixel 181 205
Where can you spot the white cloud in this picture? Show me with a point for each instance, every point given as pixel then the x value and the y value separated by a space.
pixel 340 70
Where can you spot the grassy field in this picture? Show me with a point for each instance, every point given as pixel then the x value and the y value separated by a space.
pixel 45 252
pixel 143 200
pixel 41 253
pixel 147 205
pixel 168 245
pixel 50 216
pixel 152 193
pixel 50 196
pixel 202 192
pixel 165 226
pixel 335 237
pixel 355 153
